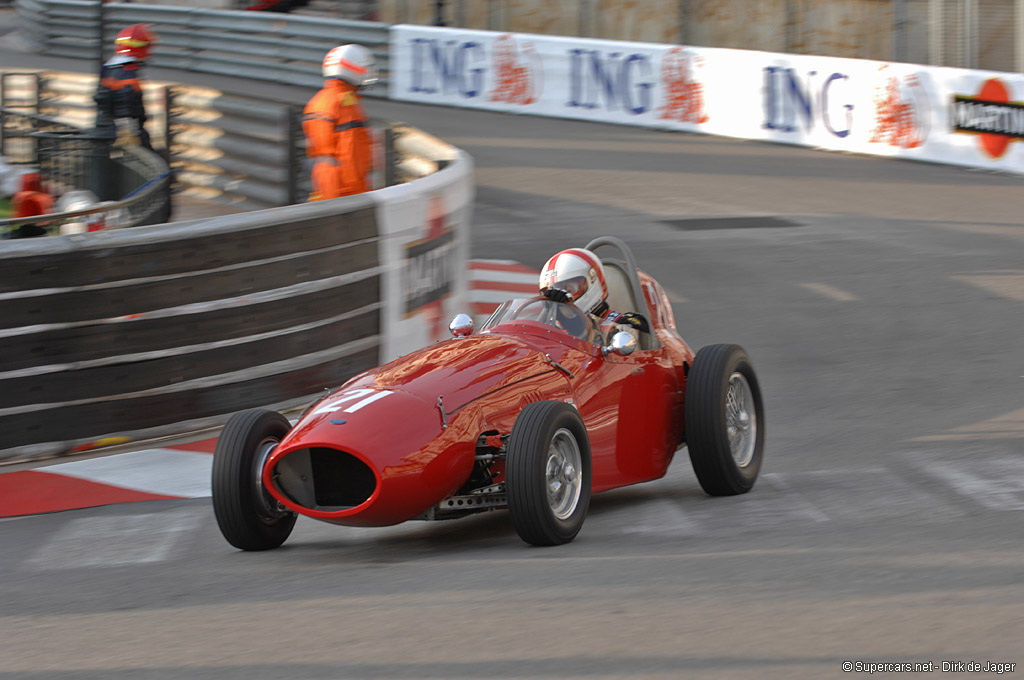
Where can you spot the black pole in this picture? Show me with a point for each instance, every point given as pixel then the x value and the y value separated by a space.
pixel 439 15
pixel 292 118
pixel 99 42
pixel 390 158
pixel 899 32
pixel 168 142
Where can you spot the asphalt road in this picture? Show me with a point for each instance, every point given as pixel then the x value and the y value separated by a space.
pixel 881 303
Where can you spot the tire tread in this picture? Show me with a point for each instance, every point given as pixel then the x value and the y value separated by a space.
pixel 706 439
pixel 528 500
pixel 232 497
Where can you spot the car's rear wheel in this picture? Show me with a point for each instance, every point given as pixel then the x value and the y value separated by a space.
pixel 724 420
pixel 548 473
pixel 248 516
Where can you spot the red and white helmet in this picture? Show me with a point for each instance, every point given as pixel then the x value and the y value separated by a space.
pixel 579 273
pixel 352 63
pixel 135 41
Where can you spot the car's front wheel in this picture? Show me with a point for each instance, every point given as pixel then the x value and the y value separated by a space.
pixel 248 516
pixel 724 420
pixel 548 473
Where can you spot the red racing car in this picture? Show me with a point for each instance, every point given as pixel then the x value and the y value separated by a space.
pixel 534 413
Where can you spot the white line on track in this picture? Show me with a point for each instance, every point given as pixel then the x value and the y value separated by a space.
pixel 806 507
pixel 659 517
pixel 997 484
pixel 115 540
pixel 830 292
pixel 170 472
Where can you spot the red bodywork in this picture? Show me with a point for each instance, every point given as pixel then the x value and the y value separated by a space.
pixel 418 422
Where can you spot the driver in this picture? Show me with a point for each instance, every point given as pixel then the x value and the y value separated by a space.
pixel 577 275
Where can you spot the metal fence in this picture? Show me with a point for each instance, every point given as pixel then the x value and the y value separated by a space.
pixel 243 152
pixel 134 182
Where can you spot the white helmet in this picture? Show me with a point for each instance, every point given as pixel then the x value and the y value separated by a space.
pixel 579 273
pixel 352 63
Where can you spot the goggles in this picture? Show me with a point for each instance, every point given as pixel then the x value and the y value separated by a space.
pixel 576 286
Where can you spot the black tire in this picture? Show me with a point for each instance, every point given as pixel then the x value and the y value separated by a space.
pixel 541 518
pixel 247 515
pixel 724 469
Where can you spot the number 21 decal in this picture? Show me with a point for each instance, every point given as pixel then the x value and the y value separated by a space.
pixel 361 397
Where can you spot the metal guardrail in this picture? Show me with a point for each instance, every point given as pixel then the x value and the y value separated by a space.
pixel 167 329
pixel 242 151
pixel 246 153
pixel 262 46
pixel 221 148
pixel 127 335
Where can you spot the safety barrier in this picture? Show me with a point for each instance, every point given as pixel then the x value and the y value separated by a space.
pixel 115 336
pixel 245 152
pixel 258 45
pixel 926 113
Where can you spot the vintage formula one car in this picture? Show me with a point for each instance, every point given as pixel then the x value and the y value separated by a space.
pixel 533 413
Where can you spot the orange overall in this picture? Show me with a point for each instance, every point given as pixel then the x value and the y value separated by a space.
pixel 338 141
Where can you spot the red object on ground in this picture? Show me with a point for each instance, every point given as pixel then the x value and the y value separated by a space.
pixel 30 492
pixel 31 200
pixel 201 446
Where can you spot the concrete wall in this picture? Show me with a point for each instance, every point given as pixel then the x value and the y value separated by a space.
pixel 939 32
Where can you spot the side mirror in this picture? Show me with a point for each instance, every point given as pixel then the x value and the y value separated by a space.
pixel 461 326
pixel 623 344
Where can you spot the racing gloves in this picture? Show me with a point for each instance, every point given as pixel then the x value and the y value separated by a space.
pixel 556 295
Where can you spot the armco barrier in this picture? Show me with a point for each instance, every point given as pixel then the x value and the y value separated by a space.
pixel 131 334
pixel 934 114
pixel 241 151
pixel 245 152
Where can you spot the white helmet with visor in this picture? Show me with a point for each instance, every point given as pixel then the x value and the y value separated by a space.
pixel 579 273
pixel 352 63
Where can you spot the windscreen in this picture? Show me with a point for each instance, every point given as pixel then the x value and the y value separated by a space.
pixel 564 316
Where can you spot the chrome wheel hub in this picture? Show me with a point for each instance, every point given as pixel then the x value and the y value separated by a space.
pixel 562 474
pixel 740 420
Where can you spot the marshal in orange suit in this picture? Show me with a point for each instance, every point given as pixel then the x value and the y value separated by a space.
pixel 336 127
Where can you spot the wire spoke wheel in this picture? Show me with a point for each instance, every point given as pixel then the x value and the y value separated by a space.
pixel 740 420
pixel 724 420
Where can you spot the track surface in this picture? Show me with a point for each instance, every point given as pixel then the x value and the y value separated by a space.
pixel 882 306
